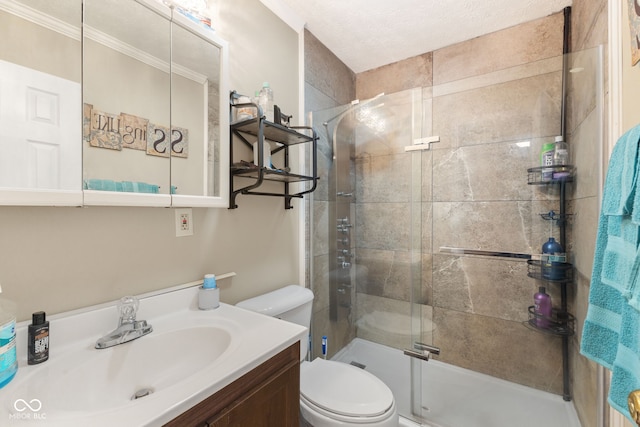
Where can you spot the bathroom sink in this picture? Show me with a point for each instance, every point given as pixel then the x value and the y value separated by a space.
pixel 112 377
pixel 94 380
pixel 190 355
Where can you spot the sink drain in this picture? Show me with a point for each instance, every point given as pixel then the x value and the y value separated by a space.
pixel 141 393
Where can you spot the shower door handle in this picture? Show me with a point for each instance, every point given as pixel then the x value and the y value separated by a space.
pixel 418 354
pixel 430 348
pixel 422 351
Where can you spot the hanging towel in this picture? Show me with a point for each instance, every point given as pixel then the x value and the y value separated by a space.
pixel 626 368
pixel 634 289
pixel 612 325
pixel 600 334
pixel 633 292
pixel 619 190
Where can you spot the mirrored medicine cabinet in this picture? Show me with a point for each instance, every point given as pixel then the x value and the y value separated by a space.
pixel 111 102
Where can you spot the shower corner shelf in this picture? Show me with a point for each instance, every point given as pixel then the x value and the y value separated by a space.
pixel 554 272
pixel 280 138
pixel 544 175
pixel 561 323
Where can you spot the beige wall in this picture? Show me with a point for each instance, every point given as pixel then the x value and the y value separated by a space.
pixel 58 55
pixel 57 259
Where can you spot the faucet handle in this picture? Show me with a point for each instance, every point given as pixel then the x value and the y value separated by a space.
pixel 127 308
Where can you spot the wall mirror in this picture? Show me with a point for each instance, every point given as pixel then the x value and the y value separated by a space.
pixel 197 108
pixel 116 104
pixel 151 107
pixel 40 102
pixel 126 103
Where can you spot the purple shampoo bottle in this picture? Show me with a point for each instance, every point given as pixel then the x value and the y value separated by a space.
pixel 542 302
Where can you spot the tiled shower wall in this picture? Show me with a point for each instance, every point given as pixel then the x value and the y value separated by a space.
pixel 477 303
pixel 485 99
pixel 328 84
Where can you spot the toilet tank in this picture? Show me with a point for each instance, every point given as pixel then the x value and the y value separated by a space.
pixel 292 303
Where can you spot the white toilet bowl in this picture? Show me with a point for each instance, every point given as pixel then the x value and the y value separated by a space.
pixel 336 394
pixel 331 393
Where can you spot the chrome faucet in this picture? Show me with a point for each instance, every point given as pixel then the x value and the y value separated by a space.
pixel 128 327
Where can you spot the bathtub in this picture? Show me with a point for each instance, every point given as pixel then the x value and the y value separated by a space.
pixel 458 397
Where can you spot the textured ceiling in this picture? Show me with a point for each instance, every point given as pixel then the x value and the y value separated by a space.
pixel 367 34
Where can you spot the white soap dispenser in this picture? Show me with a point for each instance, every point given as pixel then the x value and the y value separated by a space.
pixel 209 294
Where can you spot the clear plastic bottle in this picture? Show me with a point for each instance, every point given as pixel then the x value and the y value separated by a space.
pixel 561 158
pixel 560 152
pixel 266 101
pixel 8 354
pixel 546 159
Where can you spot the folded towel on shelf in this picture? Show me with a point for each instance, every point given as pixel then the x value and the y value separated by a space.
pixel 120 186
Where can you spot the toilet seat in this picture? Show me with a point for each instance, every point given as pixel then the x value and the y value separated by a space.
pixel 344 392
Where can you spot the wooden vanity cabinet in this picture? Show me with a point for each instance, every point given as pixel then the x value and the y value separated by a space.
pixel 267 396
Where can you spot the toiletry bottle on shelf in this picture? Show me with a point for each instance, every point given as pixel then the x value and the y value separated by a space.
pixel 560 152
pixel 552 252
pixel 266 101
pixel 38 336
pixel 245 112
pixel 8 354
pixel 546 160
pixel 542 302
pixel 324 346
pixel 560 158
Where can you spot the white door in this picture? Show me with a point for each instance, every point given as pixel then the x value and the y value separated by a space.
pixel 40 130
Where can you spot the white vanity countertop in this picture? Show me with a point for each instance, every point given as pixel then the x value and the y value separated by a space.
pixel 80 385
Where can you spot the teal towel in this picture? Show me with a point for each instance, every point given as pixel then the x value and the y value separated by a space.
pixel 624 378
pixel 600 334
pixel 634 289
pixel 620 253
pixel 612 325
pixel 618 199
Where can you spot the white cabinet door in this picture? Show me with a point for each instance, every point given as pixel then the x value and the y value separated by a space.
pixel 40 130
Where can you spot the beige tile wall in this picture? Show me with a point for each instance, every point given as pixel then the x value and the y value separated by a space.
pixel 328 84
pixel 493 101
pixel 485 98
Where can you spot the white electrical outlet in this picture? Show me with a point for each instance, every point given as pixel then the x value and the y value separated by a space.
pixel 184 222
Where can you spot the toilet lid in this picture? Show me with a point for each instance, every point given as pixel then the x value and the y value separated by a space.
pixel 344 389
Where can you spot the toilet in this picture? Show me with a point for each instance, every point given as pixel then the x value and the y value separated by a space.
pixel 331 393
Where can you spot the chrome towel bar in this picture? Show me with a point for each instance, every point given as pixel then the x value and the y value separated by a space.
pixel 463 251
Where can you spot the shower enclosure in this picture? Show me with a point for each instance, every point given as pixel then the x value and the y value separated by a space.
pixel 409 175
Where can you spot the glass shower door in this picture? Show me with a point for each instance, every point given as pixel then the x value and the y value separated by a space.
pixel 421 345
pixel 377 199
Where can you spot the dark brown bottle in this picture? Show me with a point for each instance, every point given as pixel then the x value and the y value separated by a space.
pixel 38 339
